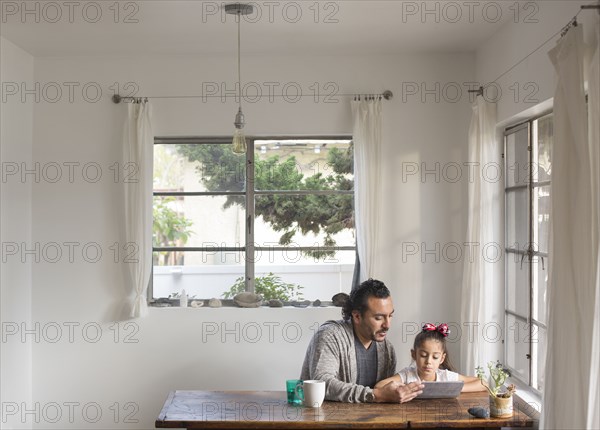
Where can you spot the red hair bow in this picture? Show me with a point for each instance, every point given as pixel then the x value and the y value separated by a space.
pixel 442 328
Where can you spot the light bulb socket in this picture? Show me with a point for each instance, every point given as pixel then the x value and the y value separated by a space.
pixel 239 9
pixel 239 119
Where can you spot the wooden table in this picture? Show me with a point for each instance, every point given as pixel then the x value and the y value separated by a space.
pixel 269 410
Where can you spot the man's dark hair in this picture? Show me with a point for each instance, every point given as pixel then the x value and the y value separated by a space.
pixel 359 297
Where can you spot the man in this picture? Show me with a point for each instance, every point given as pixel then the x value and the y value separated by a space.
pixel 353 354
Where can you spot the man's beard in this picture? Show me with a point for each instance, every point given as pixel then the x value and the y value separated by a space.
pixel 374 335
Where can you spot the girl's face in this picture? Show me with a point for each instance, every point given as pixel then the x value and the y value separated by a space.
pixel 428 357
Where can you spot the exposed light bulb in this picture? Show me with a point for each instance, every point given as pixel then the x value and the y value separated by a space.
pixel 239 141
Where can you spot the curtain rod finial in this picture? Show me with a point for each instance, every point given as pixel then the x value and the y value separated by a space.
pixel 116 98
pixel 388 95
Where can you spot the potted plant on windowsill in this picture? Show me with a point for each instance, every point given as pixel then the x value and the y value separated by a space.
pixel 501 398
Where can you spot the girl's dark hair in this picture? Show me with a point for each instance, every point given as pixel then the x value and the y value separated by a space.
pixel 434 335
pixel 358 300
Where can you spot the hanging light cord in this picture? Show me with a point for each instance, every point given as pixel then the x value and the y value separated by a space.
pixel 239 18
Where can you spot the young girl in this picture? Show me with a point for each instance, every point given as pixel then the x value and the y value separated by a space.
pixel 431 361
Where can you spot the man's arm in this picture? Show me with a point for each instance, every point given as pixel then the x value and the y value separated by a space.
pixel 394 392
pixel 329 359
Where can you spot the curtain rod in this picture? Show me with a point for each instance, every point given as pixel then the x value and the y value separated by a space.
pixel 387 95
pixel 592 6
pixel 562 31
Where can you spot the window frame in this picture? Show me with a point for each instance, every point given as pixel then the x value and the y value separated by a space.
pixel 249 194
pixel 533 325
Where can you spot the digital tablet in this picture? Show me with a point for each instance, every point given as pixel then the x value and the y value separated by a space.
pixel 441 390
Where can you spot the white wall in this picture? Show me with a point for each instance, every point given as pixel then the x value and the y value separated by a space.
pixel 140 361
pixel 16 139
pixel 87 353
pixel 527 89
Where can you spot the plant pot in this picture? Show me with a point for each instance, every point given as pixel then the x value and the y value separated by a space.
pixel 501 407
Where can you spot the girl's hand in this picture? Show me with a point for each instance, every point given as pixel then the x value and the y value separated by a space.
pixel 472 384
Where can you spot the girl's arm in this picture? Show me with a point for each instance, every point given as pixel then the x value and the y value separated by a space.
pixel 472 383
pixel 383 382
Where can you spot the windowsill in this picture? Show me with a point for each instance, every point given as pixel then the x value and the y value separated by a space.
pixel 527 399
pixel 228 303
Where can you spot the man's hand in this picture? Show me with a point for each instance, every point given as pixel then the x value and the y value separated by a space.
pixel 393 392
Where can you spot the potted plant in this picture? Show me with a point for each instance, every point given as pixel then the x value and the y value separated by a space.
pixel 501 399
pixel 269 286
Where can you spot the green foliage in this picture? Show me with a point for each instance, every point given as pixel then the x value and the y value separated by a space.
pixel 341 161
pixel 169 228
pixel 498 376
pixel 269 286
pixel 222 170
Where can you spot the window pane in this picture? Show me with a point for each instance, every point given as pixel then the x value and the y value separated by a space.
pixel 517 208
pixel 540 283
pixel 212 273
pixel 198 221
pixel 203 274
pixel 309 220
pixel 542 148
pixel 517 158
pixel 320 278
pixel 517 283
pixel 541 218
pixel 517 347
pixel 303 165
pixel 539 343
pixel 198 167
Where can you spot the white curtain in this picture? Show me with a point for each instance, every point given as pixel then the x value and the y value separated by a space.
pixel 593 418
pixel 482 277
pixel 573 246
pixel 366 136
pixel 138 141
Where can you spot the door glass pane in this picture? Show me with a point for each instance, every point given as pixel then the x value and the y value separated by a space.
pixel 542 148
pixel 517 281
pixel 541 218
pixel 540 283
pixel 517 208
pixel 539 342
pixel 517 158
pixel 517 346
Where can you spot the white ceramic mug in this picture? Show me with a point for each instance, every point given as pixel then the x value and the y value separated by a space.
pixel 314 393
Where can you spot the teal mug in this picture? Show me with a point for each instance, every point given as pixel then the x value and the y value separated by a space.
pixel 295 394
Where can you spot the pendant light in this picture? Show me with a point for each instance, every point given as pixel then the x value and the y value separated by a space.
pixel 239 139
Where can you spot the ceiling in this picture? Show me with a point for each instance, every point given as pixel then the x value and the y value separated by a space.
pixel 178 27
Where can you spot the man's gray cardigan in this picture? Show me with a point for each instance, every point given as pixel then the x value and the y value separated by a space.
pixel 331 357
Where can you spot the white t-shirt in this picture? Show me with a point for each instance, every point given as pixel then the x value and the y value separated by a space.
pixel 410 374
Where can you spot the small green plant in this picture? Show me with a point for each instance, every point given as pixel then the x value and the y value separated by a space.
pixel 269 286
pixel 498 375
pixel 178 295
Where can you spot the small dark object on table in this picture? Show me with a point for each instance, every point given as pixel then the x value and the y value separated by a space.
pixel 479 412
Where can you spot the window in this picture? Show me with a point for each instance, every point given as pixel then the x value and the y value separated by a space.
pixel 279 217
pixel 528 168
